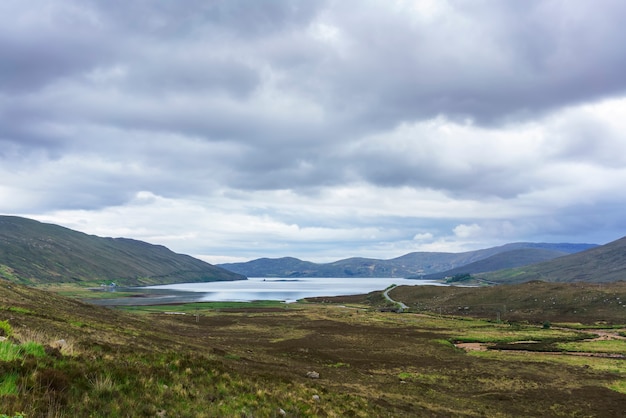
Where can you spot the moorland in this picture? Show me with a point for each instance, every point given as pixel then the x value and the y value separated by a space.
pixel 331 357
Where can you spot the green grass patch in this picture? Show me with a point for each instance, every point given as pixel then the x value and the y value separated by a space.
pixel 497 334
pixel 8 384
pixel 8 273
pixel 618 386
pixel 33 349
pixel 445 343
pixel 9 351
pixel 338 365
pixel 5 329
pixel 17 309
pixel 600 346
pixel 408 376
pixel 578 325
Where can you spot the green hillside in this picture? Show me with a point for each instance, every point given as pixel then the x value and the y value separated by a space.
pixel 32 252
pixel 606 263
pixel 507 259
pixel 535 301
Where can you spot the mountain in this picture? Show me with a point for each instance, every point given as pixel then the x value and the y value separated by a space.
pixel 414 264
pixel 33 252
pixel 605 263
pixel 500 261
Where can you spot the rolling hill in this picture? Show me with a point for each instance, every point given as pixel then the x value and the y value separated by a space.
pixel 416 264
pixel 500 261
pixel 605 263
pixel 33 252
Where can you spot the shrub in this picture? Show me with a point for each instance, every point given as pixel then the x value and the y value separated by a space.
pixel 547 325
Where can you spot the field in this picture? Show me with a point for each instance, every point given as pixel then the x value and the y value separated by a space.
pixel 330 357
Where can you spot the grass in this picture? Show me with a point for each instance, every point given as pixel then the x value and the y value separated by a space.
pixel 9 351
pixel 614 368
pixel 507 334
pixel 8 384
pixel 618 386
pixel 600 346
pixel 203 307
pixel 252 360
pixel 5 329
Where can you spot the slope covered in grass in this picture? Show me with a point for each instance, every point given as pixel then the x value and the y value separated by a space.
pixel 507 259
pixel 539 301
pixel 35 252
pixel 605 263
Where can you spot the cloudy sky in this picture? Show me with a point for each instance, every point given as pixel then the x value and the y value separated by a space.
pixel 233 130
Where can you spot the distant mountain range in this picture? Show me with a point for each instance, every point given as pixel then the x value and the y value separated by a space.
pixel 605 263
pixel 33 252
pixel 413 265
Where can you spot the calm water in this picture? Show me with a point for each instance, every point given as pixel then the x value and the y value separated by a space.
pixel 288 290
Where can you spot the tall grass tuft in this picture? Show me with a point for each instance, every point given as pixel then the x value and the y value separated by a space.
pixel 5 329
pixel 102 383
pixel 34 349
pixel 9 351
pixel 8 384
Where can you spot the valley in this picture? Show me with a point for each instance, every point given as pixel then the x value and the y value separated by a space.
pixel 327 356
pixel 552 347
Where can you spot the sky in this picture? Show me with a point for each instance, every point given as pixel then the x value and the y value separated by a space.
pixel 234 130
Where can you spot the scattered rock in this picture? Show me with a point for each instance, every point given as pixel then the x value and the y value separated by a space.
pixel 313 375
pixel 281 412
pixel 3 338
pixel 161 413
pixel 316 398
pixel 59 344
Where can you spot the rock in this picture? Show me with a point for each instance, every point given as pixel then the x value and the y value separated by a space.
pixel 281 412
pixel 316 398
pixel 59 344
pixel 313 375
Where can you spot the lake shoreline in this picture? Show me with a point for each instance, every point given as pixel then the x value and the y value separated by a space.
pixel 254 289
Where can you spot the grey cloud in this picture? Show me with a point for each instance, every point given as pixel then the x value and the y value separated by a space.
pixel 463 180
pixel 193 74
pixel 171 74
pixel 588 140
pixel 492 66
pixel 235 18
pixel 42 44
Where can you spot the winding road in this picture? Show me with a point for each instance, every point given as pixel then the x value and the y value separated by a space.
pixel 402 306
